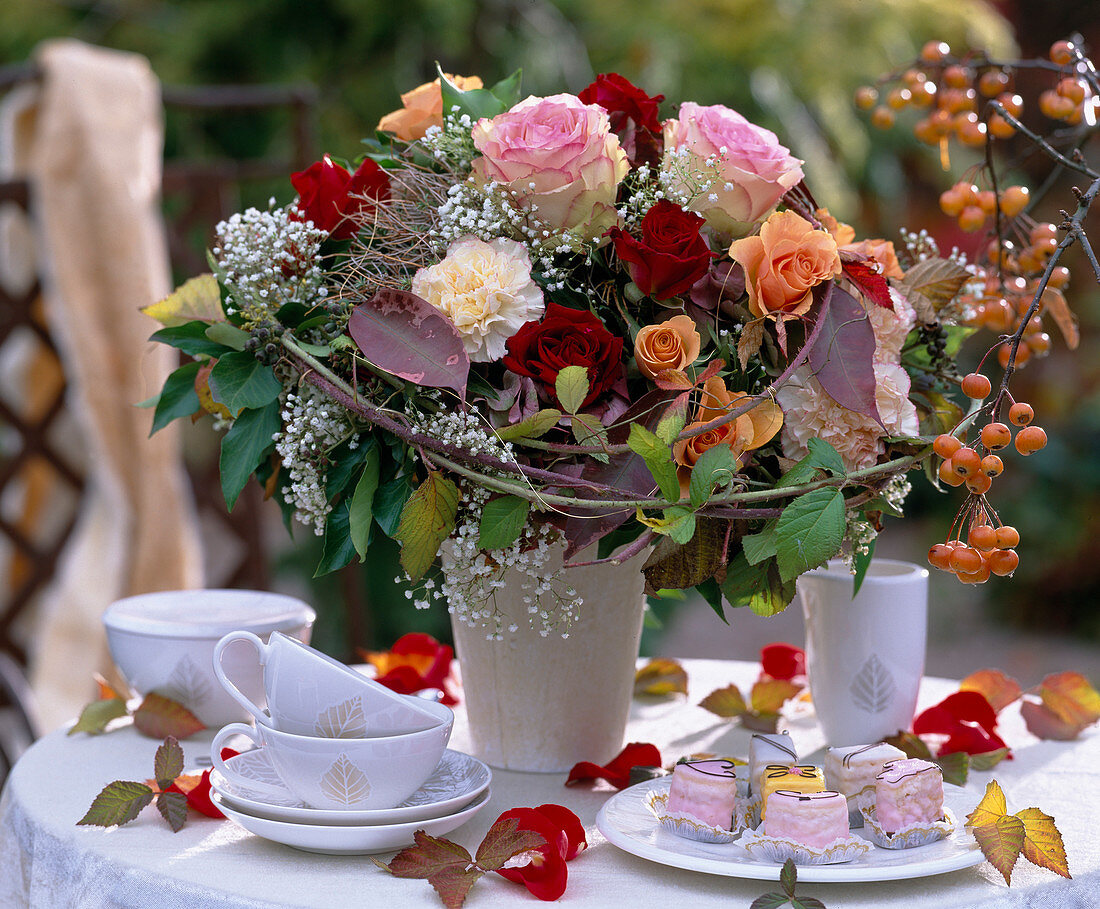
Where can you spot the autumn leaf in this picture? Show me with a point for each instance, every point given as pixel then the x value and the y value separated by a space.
pixel 955 767
pixel 1001 843
pixel 991 807
pixel 912 745
pixel 95 718
pixel 1044 723
pixel 660 677
pixel 997 688
pixel 428 857
pixel 197 298
pixel 505 841
pixel 173 808
pixel 769 695
pixel 727 702
pixel 1043 842
pixel 1054 301
pixel 1071 698
pixel 159 717
pixel 106 690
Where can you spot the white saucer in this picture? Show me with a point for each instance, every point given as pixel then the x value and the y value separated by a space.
pixel 456 781
pixel 345 839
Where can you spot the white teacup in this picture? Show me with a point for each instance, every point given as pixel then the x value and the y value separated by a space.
pixel 342 774
pixel 311 694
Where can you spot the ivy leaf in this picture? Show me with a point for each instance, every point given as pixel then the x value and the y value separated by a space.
pixel 502 521
pixel 657 454
pixel 1043 842
pixel 241 382
pixel 997 688
pixel 245 447
pixel 770 695
pixel 990 808
pixel 361 509
pixel 505 841
pixel 178 397
pixel 1001 843
pixel 587 429
pixel 727 702
pixel 173 808
pixel 117 803
pixel 955 767
pixel 197 298
pixel 716 466
pixel 95 717
pixel 535 426
pixel 167 762
pixel 660 677
pixel 809 531
pixel 571 387
pixel 159 717
pixel 759 587
pixel 426 521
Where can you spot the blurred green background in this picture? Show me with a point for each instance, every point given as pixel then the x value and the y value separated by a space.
pixel 791 65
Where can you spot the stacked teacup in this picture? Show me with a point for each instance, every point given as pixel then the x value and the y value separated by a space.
pixel 339 763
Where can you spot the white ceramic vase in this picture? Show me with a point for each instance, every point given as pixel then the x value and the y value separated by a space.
pixel 865 655
pixel 542 704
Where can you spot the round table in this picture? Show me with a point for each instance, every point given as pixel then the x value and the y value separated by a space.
pixel 46 860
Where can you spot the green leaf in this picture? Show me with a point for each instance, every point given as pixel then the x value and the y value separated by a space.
pixel 228 335
pixel 536 425
pixel 788 877
pixel 712 593
pixel 682 524
pixel 809 531
pixel 389 502
pixel 344 463
pixel 657 455
pixel 173 808
pixel 244 448
pixel 671 425
pixel 95 717
pixel 178 398
pixel 955 767
pixel 571 386
pixel 119 803
pixel 770 901
pixel 862 563
pixel 426 521
pixel 759 587
pixel 717 466
pixel 477 102
pixel 507 90
pixel 759 546
pixel 362 502
pixel 502 521
pixel 191 338
pixel 988 760
pixel 807 902
pixel 167 762
pixel 823 455
pixel 338 549
pixel 588 430
pixel 241 382
pixel 196 298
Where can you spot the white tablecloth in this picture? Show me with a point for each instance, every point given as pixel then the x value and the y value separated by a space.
pixel 46 860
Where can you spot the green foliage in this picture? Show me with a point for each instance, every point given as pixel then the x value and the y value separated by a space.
pixel 502 521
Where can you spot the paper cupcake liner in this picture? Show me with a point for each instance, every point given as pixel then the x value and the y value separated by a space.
pixel 690 828
pixel 919 834
pixel 858 800
pixel 779 849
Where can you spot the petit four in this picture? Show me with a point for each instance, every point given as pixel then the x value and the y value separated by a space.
pixel 852 768
pixel 908 791
pixel 764 749
pixel 811 818
pixel 800 778
pixel 705 790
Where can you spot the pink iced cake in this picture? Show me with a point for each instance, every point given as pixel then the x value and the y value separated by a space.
pixel 908 792
pixel 852 768
pixel 811 818
pixel 705 790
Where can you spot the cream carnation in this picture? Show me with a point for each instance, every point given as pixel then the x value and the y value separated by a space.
pixel 486 290
pixel 891 327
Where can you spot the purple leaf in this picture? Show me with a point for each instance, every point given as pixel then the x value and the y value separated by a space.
pixel 411 339
pixel 842 357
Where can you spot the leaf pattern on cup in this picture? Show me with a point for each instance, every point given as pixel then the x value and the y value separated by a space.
pixel 873 687
pixel 345 720
pixel 345 783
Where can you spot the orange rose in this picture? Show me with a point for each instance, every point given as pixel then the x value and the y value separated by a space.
pixel 882 251
pixel 749 431
pixel 784 263
pixel 674 344
pixel 421 108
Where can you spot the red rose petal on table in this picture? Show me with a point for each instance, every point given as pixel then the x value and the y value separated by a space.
pixel 783 661
pixel 545 875
pixel 198 796
pixel 570 825
pixel 617 770
pixel 968 720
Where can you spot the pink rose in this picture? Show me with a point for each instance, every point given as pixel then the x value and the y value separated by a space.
pixel 751 171
pixel 558 157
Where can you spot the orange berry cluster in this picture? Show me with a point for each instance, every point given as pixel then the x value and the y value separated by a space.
pixel 972 206
pixel 987 550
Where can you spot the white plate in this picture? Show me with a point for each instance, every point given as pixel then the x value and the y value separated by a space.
pixel 348 840
pixel 456 781
pixel 627 823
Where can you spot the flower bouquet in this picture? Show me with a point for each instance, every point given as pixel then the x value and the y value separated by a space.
pixel 527 325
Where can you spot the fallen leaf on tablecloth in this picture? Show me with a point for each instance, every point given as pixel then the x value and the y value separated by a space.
pixel 117 803
pixel 95 717
pixel 1071 698
pixel 617 770
pixel 727 702
pixel 660 677
pixel 1044 723
pixel 769 695
pixel 159 717
pixel 1043 842
pixel 988 760
pixel 997 688
pixel 788 877
pixel 1001 843
pixel 761 713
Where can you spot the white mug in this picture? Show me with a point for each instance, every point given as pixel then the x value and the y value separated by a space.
pixel 311 694
pixel 341 774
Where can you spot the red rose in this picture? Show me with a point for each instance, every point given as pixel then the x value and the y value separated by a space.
pixel 623 100
pixel 331 198
pixel 566 337
pixel 415 662
pixel 670 257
